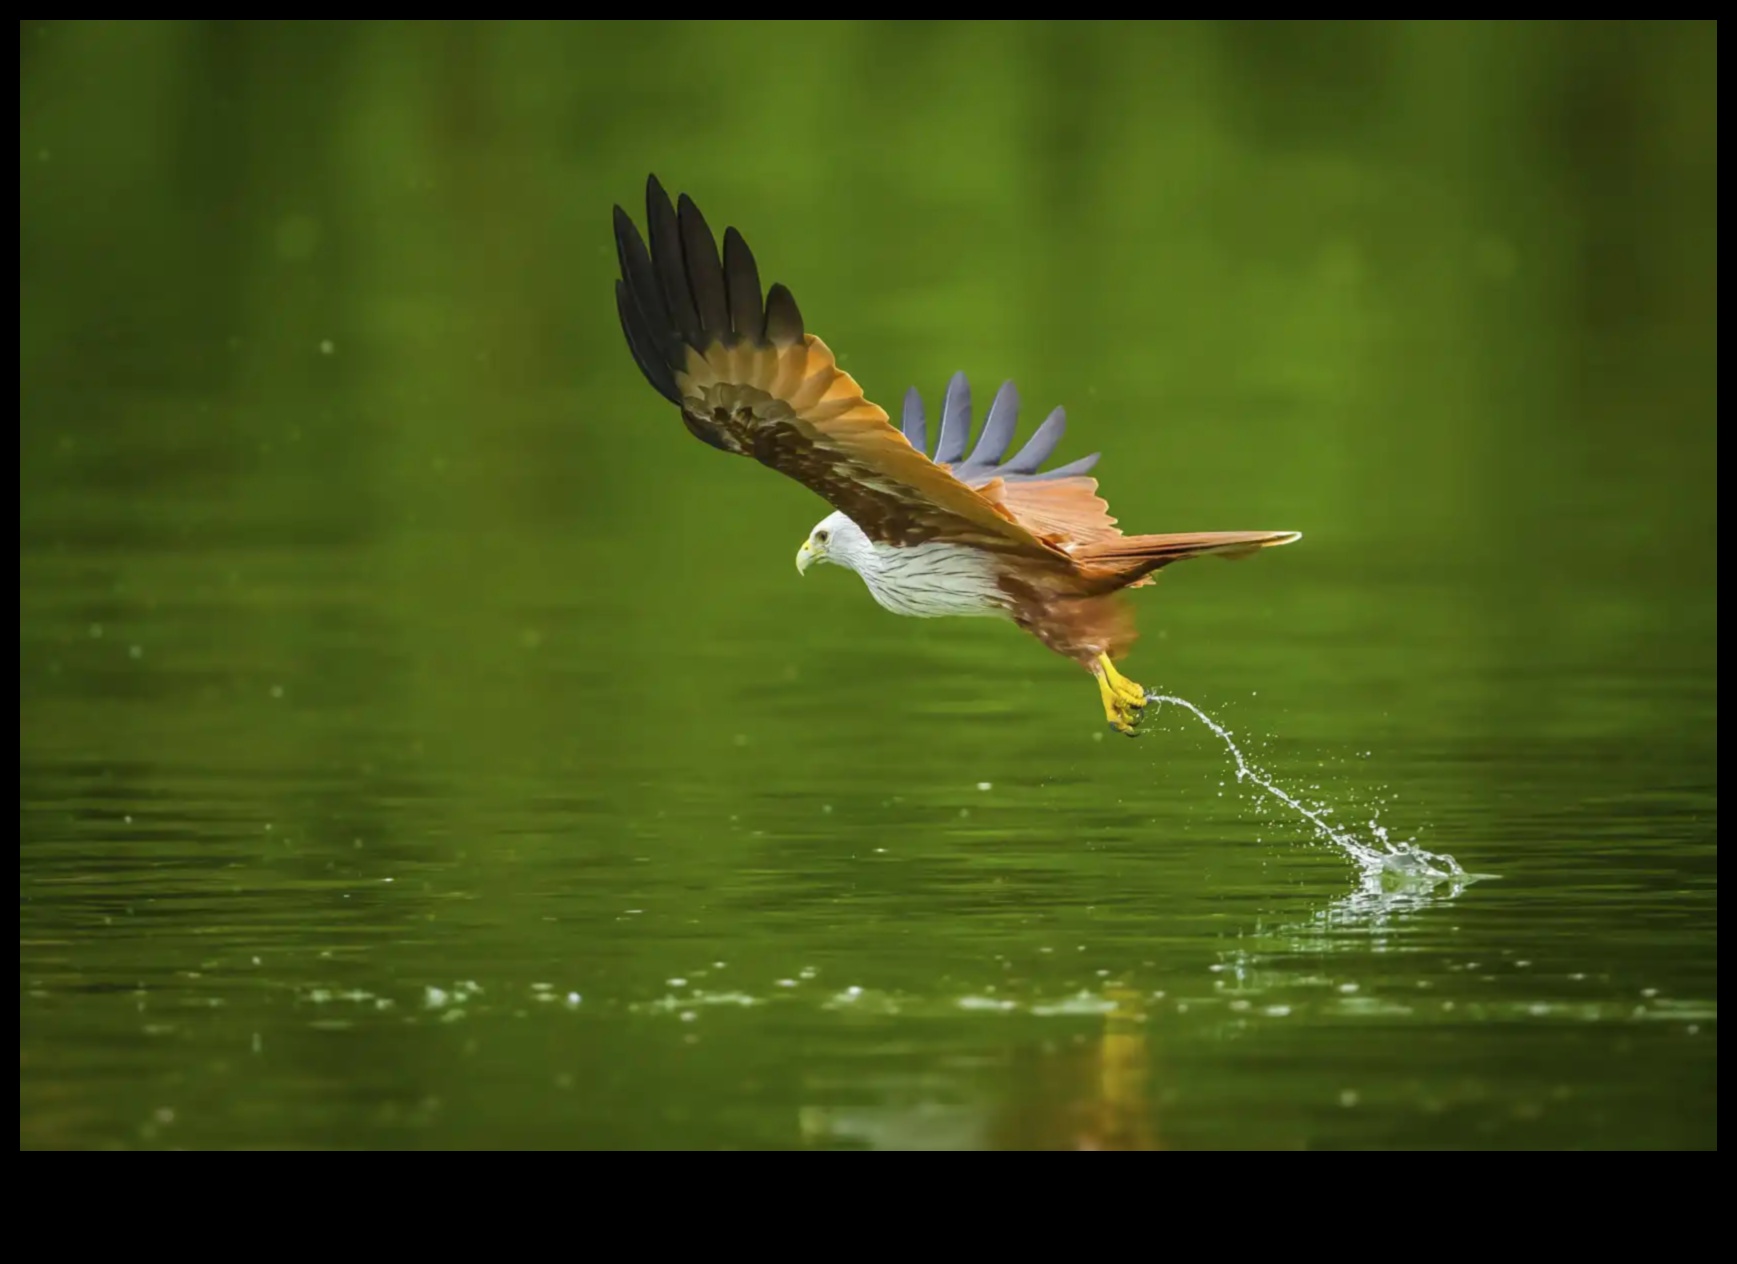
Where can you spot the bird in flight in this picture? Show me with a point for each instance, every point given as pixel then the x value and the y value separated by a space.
pixel 931 533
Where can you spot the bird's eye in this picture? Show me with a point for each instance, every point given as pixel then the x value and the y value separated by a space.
pixel 820 536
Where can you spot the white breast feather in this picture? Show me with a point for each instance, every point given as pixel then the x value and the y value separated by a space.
pixel 935 579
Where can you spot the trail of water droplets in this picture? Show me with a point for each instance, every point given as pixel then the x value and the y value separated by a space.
pixel 1385 865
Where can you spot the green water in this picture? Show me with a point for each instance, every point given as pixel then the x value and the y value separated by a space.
pixel 424 742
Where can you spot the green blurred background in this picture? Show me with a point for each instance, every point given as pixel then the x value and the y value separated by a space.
pixel 382 632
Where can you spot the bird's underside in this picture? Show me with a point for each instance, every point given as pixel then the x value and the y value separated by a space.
pixel 931 531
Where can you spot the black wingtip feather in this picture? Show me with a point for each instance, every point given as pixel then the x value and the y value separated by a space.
pixel 645 318
pixel 641 344
pixel 637 271
pixel 783 317
pixel 742 281
pixel 666 257
pixel 676 293
pixel 705 274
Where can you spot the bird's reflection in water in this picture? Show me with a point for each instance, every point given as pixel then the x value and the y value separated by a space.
pixel 1079 1092
pixel 1091 1095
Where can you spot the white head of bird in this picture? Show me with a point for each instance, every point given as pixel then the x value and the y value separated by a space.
pixel 838 540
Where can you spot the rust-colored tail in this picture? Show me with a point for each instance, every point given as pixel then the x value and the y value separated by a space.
pixel 1129 558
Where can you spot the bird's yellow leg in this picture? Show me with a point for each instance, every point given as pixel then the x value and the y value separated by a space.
pixel 1123 699
pixel 1133 692
pixel 1112 704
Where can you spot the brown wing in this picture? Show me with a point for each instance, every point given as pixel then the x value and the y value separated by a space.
pixel 1065 513
pixel 1131 559
pixel 1060 506
pixel 750 380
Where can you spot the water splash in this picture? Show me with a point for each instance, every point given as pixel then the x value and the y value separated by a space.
pixel 1386 867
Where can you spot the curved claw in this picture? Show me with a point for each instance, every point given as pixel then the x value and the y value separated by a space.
pixel 1124 711
pixel 1124 701
pixel 1136 717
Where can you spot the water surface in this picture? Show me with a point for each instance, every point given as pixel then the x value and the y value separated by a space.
pixel 425 743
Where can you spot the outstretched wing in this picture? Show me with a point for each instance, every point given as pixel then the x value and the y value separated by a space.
pixel 749 379
pixel 989 458
pixel 1060 506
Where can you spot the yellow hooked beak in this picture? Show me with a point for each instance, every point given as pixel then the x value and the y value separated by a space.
pixel 805 556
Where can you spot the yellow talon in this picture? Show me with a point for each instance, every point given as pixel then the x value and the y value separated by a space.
pixel 1124 701
pixel 1112 704
pixel 1133 691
